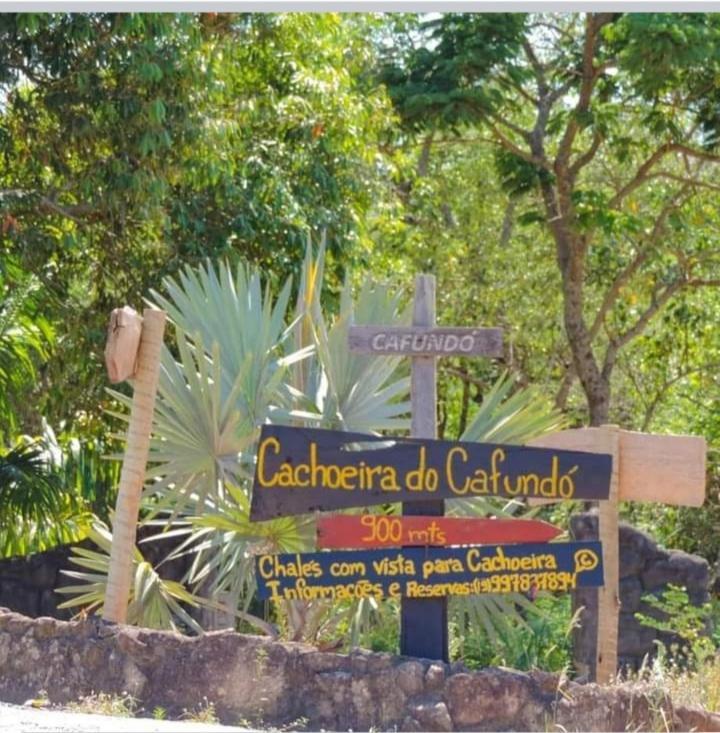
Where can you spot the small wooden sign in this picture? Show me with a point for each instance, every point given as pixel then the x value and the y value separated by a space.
pixel 123 343
pixel 380 530
pixel 300 470
pixel 424 341
pixel 669 469
pixel 429 572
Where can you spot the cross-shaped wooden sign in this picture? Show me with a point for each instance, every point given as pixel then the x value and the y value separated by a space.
pixel 423 621
pixel 664 468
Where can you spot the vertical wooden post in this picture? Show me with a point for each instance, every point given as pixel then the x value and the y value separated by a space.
pixel 609 593
pixel 423 621
pixel 132 475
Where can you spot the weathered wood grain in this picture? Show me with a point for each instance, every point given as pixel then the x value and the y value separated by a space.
pixel 426 341
pixel 424 621
pixel 669 469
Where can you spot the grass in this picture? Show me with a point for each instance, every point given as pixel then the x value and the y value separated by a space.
pixel 696 685
pixel 205 713
pixel 103 703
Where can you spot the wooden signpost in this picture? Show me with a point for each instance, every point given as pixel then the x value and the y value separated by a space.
pixel 663 468
pixel 301 470
pixel 380 530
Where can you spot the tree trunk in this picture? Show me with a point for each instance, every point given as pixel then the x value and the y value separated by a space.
pixel 570 252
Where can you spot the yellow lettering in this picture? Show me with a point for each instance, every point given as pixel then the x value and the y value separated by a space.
pixel 388 482
pixel 264 481
pixel 479 484
pixel 497 455
pixel 473 560
pixel 304 468
pixel 285 475
pixel 449 470
pixel 348 473
pixel 343 569
pixel 262 564
pixel 566 486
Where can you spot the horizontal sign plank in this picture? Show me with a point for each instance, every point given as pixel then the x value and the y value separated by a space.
pixel 300 470
pixel 421 572
pixel 669 469
pixel 425 341
pixel 380 530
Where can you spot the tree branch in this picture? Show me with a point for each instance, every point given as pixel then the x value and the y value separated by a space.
pixel 583 159
pixel 682 179
pixel 513 148
pixel 626 274
pixel 643 173
pixel 640 325
pixel 524 134
pixel 593 24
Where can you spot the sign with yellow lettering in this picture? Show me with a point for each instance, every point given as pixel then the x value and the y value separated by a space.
pixel 430 572
pixel 302 470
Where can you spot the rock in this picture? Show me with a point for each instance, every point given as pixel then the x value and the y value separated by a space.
pixel 583 527
pixel 680 569
pixel 631 591
pixel 325 662
pixel 637 541
pixel 636 639
pixel 493 700
pixel 631 563
pixel 432 716
pixel 694 719
pixel 277 683
pixel 410 724
pixel 434 676
pixel 409 677
pixel 594 708
pixel 44 627
pixel 548 683
pixel 644 567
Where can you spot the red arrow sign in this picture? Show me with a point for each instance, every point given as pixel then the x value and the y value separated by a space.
pixel 377 530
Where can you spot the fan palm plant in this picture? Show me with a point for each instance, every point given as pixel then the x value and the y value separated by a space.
pixel 153 603
pixel 322 385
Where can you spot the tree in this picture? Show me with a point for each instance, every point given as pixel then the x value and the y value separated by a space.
pixel 609 123
pixel 134 144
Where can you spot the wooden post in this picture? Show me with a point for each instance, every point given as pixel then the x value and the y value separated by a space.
pixel 132 475
pixel 661 468
pixel 609 594
pixel 423 621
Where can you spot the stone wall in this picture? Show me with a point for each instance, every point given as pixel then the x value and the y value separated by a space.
pixel 27 584
pixel 644 568
pixel 255 680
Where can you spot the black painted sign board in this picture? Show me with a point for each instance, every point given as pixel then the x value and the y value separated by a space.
pixel 301 470
pixel 429 572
